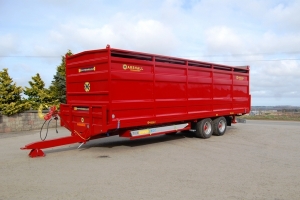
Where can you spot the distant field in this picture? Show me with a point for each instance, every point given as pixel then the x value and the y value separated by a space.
pixel 273 117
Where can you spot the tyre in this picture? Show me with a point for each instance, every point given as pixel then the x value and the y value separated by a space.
pixel 204 128
pixel 219 126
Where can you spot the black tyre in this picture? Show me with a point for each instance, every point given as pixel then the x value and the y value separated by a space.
pixel 220 126
pixel 204 128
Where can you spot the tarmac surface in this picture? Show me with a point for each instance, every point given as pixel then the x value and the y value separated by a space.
pixel 255 160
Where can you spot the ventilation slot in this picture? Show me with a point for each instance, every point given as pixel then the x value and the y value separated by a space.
pixel 245 70
pixel 202 65
pixel 131 56
pixel 222 68
pixel 169 60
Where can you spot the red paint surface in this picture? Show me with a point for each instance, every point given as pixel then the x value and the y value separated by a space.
pixel 150 88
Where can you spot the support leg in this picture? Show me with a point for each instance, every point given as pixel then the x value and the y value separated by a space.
pixel 36 153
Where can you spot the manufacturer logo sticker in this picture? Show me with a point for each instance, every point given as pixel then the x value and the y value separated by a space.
pixel 87 86
pixel 132 68
pixel 151 122
pixel 240 78
pixel 87 69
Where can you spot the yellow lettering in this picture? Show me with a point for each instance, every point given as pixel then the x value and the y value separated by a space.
pixel 240 78
pixel 132 68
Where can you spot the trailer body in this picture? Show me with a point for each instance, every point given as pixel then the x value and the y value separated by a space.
pixel 113 92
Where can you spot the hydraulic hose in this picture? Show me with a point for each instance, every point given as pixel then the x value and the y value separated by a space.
pixel 43 139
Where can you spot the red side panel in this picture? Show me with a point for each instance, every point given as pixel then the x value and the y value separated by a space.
pixel 131 90
pixel 170 90
pixel 200 91
pixel 241 98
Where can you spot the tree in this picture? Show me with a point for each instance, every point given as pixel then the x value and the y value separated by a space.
pixel 11 101
pixel 58 85
pixel 37 94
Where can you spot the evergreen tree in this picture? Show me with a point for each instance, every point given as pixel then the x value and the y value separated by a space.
pixel 37 94
pixel 10 95
pixel 58 86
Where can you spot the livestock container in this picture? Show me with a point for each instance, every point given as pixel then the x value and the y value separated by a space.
pixel 134 94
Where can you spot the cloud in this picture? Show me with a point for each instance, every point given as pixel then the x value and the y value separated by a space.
pixel 284 15
pixel 276 42
pixel 142 35
pixel 9 44
pixel 152 36
pixel 286 68
pixel 223 39
pixel 276 79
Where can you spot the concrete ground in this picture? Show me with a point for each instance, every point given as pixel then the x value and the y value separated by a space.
pixel 256 160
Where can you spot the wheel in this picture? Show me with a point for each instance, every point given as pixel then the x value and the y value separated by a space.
pixel 220 125
pixel 204 128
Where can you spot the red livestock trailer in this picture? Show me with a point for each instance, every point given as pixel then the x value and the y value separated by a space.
pixel 133 94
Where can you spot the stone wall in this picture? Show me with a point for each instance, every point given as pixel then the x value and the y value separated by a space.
pixel 25 121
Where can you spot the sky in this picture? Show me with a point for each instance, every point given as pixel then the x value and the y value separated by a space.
pixel 265 35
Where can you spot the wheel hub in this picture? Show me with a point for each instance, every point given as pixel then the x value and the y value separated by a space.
pixel 221 126
pixel 207 128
